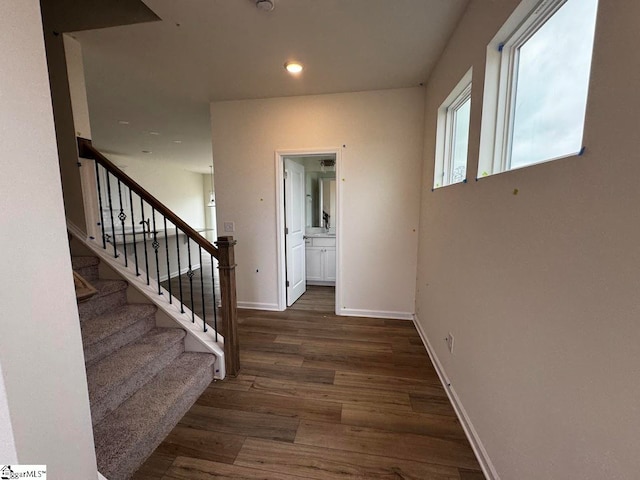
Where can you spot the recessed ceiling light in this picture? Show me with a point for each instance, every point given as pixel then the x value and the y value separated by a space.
pixel 177 141
pixel 293 67
pixel 264 5
pixel 123 122
pixel 154 133
pixel 148 152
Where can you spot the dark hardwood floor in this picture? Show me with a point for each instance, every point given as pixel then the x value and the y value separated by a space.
pixel 320 397
pixel 317 299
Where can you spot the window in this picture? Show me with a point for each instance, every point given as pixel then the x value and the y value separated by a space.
pixel 452 141
pixel 536 85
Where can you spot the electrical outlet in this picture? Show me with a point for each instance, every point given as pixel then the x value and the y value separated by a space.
pixel 449 339
pixel 229 227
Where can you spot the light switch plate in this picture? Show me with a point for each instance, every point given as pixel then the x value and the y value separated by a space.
pixel 229 227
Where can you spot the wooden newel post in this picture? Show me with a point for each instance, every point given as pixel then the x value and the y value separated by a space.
pixel 227 267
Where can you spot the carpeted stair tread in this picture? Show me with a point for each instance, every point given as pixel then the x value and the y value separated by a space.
pixel 86 266
pixel 82 262
pixel 106 287
pixel 127 436
pixel 111 294
pixel 116 377
pixel 106 333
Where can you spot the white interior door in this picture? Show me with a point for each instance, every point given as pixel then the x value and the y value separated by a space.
pixel 294 197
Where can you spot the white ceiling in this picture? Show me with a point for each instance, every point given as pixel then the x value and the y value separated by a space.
pixel 161 76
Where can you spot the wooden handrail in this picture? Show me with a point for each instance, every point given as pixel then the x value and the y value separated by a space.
pixel 87 150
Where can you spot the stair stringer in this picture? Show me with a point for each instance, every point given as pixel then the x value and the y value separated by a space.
pixel 196 340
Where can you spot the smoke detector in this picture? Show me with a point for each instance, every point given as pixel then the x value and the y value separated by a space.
pixel 265 5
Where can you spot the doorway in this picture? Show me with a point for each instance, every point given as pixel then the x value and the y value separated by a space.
pixel 308 229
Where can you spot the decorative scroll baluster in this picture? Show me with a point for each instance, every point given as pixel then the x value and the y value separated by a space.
pixel 133 232
pixel 190 274
pixel 122 217
pixel 179 271
pixel 166 249
pixel 113 227
pixel 204 315
pixel 156 245
pixel 104 238
pixel 144 238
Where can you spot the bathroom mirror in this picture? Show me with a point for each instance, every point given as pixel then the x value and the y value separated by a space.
pixel 327 202
pixel 321 199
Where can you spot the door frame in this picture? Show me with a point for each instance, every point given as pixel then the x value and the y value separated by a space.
pixel 280 241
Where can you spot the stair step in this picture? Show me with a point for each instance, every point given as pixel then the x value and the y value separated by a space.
pixel 111 294
pixel 86 266
pixel 106 333
pixel 118 376
pixel 84 289
pixel 126 437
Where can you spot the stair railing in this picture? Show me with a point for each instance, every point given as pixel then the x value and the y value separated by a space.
pixel 132 220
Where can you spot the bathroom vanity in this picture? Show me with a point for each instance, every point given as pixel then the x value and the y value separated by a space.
pixel 321 258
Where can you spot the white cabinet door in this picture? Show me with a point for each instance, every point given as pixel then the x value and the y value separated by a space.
pixel 329 264
pixel 314 263
pixel 321 260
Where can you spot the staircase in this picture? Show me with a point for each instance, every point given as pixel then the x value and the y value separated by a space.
pixel 141 381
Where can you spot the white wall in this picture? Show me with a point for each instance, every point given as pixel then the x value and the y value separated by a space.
pixel 60 86
pixel 7 444
pixel 40 345
pixel 77 86
pixel 380 186
pixel 540 289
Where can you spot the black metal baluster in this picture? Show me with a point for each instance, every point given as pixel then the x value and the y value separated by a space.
pixel 113 227
pixel 204 315
pixel 179 270
pixel 104 239
pixel 190 275
pixel 156 245
pixel 122 217
pixel 144 237
pixel 166 249
pixel 215 303
pixel 133 232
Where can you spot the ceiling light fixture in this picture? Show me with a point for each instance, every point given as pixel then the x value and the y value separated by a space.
pixel 327 164
pixel 293 67
pixel 212 197
pixel 265 5
pixel 154 133
pixel 123 122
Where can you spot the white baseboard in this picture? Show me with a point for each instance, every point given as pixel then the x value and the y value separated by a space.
pixel 101 477
pixel 354 312
pixel 321 284
pixel 259 306
pixel 476 444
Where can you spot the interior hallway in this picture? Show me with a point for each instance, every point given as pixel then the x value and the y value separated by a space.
pixel 320 396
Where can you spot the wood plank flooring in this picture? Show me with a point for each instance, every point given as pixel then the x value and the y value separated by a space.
pixel 317 299
pixel 320 397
